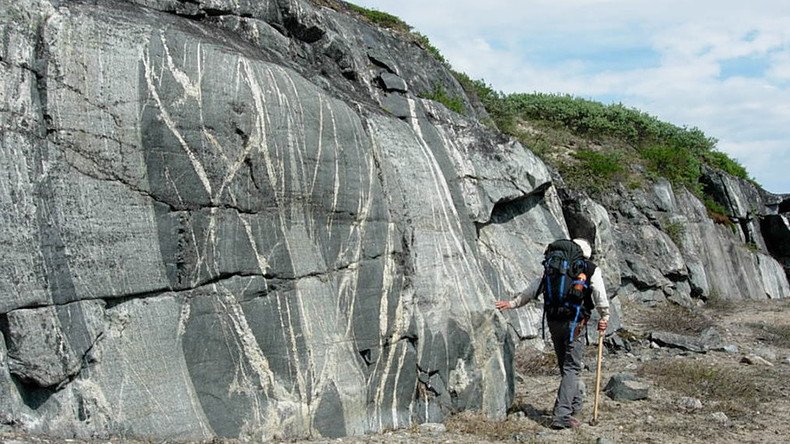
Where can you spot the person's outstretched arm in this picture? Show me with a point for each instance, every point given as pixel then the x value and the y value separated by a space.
pixel 522 298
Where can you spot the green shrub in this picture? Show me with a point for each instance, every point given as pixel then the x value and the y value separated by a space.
pixel 440 95
pixel 722 161
pixel 712 206
pixel 634 184
pixel 493 101
pixel 591 118
pixel 382 19
pixel 605 165
pixel 717 212
pixel 593 171
pixel 540 144
pixel 676 164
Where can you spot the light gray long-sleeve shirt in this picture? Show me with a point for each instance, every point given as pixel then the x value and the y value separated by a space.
pixel 596 284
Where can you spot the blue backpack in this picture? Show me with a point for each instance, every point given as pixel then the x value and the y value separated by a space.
pixel 565 285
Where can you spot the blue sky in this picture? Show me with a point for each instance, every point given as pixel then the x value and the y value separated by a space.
pixel 721 66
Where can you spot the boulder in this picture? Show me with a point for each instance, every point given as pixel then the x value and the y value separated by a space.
pixel 49 346
pixel 721 418
pixel 689 403
pixel 626 387
pixel 755 360
pixel 392 82
pixel 683 342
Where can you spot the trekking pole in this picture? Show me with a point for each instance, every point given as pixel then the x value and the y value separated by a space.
pixel 594 420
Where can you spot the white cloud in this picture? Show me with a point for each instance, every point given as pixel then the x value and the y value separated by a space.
pixel 779 72
pixel 768 156
pixel 721 66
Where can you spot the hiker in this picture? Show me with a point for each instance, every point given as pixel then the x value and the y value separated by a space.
pixel 571 286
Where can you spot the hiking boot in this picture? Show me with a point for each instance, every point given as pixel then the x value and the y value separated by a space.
pixel 570 423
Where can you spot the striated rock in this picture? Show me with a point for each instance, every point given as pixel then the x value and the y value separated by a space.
pixel 674 250
pixel 383 60
pixel 217 247
pixel 9 394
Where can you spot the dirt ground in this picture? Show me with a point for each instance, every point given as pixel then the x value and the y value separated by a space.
pixel 740 402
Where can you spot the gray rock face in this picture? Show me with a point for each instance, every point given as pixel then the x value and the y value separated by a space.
pixel 206 243
pixel 761 217
pixel 674 251
pixel 220 224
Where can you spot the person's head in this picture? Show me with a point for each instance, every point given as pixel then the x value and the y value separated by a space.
pixel 585 246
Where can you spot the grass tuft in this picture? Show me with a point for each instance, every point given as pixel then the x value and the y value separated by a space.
pixel 532 362
pixel 681 320
pixel 675 230
pixel 717 302
pixel 477 424
pixel 777 334
pixel 734 388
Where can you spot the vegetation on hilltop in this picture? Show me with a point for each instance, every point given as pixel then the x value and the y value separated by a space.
pixel 593 145
pixel 380 18
pixel 665 149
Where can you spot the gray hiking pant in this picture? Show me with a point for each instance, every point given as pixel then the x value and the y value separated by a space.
pixel 569 357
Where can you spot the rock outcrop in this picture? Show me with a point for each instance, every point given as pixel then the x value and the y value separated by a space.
pixel 672 250
pixel 238 219
pixel 761 219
